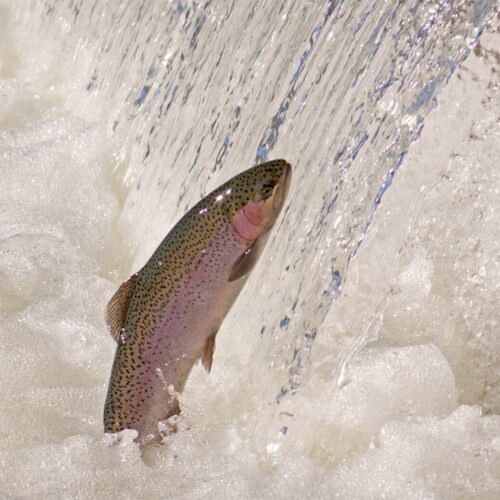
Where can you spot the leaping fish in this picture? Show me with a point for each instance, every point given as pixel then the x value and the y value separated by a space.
pixel 166 316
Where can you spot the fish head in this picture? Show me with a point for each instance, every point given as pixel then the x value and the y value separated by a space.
pixel 256 197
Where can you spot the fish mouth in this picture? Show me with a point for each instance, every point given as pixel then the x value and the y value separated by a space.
pixel 282 188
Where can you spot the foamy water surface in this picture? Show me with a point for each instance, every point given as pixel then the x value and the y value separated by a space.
pixel 362 359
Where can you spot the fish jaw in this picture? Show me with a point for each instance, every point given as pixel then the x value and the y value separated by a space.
pixel 281 191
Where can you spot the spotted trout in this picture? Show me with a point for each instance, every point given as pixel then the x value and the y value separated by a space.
pixel 166 316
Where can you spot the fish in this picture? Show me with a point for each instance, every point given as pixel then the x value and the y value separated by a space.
pixel 166 316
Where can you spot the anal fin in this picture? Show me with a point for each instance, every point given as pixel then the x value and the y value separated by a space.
pixel 116 310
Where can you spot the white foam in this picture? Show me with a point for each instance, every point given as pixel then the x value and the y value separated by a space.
pixel 423 287
pixel 452 457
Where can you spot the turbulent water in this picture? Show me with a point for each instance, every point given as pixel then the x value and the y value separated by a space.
pixel 362 358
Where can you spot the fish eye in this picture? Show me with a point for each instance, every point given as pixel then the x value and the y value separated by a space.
pixel 266 188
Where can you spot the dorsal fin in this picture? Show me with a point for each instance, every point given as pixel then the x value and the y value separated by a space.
pixel 117 308
pixel 208 352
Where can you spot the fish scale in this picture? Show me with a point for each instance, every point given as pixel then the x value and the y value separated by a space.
pixel 166 316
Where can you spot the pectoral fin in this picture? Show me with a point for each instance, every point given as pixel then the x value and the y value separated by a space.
pixel 116 310
pixel 208 352
pixel 245 262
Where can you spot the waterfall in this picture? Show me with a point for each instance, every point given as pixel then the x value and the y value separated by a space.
pixel 351 333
